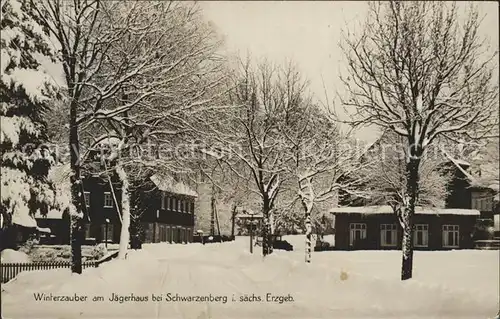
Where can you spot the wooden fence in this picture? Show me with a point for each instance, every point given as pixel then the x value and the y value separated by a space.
pixel 10 270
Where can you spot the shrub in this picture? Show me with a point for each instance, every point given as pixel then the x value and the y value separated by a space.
pixel 27 246
pixel 99 251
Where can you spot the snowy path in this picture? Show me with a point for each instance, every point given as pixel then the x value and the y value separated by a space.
pixel 461 284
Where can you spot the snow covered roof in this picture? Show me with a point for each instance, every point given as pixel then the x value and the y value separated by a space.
pixel 44 230
pixel 489 180
pixel 168 184
pixel 249 214
pixel 483 182
pixel 24 220
pixel 386 209
pixel 52 214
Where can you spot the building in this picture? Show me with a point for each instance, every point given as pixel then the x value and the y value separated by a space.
pixel 163 206
pixel 377 227
pixel 476 189
pixel 170 214
pixel 471 202
pixel 470 209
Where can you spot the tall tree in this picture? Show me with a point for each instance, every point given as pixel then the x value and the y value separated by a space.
pixel 121 62
pixel 26 92
pixel 324 163
pixel 420 71
pixel 265 97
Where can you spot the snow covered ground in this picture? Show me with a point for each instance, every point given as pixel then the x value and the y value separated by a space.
pixel 362 284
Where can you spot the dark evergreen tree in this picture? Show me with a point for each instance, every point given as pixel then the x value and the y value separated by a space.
pixel 25 94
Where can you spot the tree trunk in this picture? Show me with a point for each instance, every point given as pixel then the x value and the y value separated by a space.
pixel 217 220
pixel 212 215
pixel 125 210
pixel 267 246
pixel 271 223
pixel 233 221
pixel 406 218
pixel 76 231
pixel 308 238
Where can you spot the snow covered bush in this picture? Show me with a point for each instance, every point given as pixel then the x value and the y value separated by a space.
pixel 58 253
pixel 25 93
pixel 27 246
pixel 99 251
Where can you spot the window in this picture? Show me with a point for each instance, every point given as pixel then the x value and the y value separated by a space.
pixel 182 206
pixel 421 235
pixel 388 235
pixel 451 235
pixel 481 201
pixel 108 200
pixel 356 232
pixel 86 197
pixel 162 201
pixel 167 202
pixel 169 234
pixel 87 231
pixel 163 233
pixel 107 236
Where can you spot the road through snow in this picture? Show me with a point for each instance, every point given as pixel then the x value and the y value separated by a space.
pixel 454 284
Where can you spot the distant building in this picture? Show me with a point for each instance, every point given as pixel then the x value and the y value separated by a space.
pixel 166 206
pixel 472 200
pixel 170 216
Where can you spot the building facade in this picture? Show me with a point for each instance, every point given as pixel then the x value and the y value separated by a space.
pixel 170 212
pixel 471 202
pixel 377 227
pixel 165 209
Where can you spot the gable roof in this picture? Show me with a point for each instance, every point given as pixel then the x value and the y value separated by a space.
pixel 168 184
pixel 489 181
pixel 386 209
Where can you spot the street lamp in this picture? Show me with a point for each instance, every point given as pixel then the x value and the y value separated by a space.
pixel 106 244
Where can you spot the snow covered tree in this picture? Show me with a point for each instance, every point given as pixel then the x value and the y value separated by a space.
pixel 419 71
pixel 26 92
pixel 385 174
pixel 121 62
pixel 266 97
pixel 324 162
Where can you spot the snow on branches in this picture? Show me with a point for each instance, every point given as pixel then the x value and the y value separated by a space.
pixel 25 90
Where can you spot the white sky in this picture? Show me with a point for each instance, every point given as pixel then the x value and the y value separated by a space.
pixel 306 31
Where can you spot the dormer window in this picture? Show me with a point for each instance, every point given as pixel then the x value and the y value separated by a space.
pixel 482 201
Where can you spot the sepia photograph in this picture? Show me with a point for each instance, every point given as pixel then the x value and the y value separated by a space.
pixel 249 159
